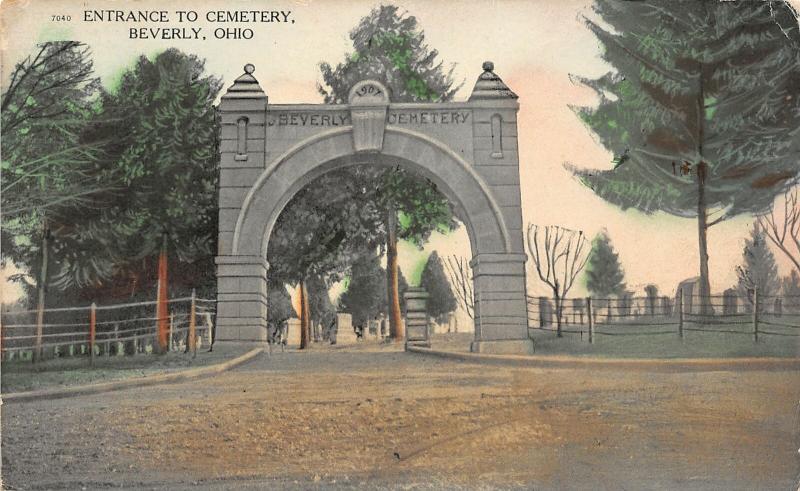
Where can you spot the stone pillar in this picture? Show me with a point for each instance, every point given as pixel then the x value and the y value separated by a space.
pixel 417 322
pixel 241 278
pixel 501 313
pixel 241 299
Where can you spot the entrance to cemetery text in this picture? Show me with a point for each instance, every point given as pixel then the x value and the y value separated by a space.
pixel 468 149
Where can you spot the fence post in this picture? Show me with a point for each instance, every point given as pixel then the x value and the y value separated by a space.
pixel 116 340
pixel 193 326
pixel 171 346
pixel 755 315
pixel 591 321
pixel 680 312
pixel 92 329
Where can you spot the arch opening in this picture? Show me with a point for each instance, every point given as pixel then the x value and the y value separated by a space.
pixel 313 245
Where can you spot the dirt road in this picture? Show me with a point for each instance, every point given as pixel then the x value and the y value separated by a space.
pixel 372 417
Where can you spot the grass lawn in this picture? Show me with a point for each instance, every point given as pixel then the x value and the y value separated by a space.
pixel 693 345
pixel 21 376
pixel 668 345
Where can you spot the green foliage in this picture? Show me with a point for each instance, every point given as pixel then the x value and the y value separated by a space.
pixel 421 207
pixel 714 84
pixel 389 47
pixel 441 300
pixel 604 275
pixel 323 228
pixel 164 131
pixel 758 268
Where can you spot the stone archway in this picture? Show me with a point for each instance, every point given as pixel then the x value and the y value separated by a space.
pixel 269 152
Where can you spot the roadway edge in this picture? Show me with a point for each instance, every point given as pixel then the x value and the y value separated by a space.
pixel 697 364
pixel 180 376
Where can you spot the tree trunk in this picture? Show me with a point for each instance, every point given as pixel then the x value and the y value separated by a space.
pixel 558 313
pixel 42 288
pixel 162 305
pixel 702 212
pixel 702 231
pixel 305 321
pixel 396 328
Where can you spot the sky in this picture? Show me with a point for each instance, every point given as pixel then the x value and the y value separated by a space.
pixel 535 46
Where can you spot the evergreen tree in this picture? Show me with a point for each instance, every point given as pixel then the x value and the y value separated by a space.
pixel 791 288
pixel 441 300
pixel 279 304
pixel 604 274
pixel 365 293
pixel 164 129
pixel 758 269
pixel 701 111
pixel 402 288
pixel 389 46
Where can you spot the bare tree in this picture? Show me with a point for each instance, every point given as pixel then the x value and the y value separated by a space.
pixel 559 255
pixel 784 231
pixel 461 277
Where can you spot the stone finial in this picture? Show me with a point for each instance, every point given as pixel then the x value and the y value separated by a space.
pixel 246 86
pixel 490 87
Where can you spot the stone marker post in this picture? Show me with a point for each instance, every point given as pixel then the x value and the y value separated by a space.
pixel 417 325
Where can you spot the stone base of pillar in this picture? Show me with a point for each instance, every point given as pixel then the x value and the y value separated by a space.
pixel 503 347
pixel 421 344
pixel 240 334
pixel 241 299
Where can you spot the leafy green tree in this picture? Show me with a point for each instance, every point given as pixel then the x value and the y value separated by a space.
pixel 164 127
pixel 701 110
pixel 758 269
pixel 441 300
pixel 604 274
pixel 389 46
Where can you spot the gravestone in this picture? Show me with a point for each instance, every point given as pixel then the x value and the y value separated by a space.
pixel 730 302
pixel 578 308
pixel 666 306
pixel 652 297
pixel 545 312
pixel 293 336
pixel 344 329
